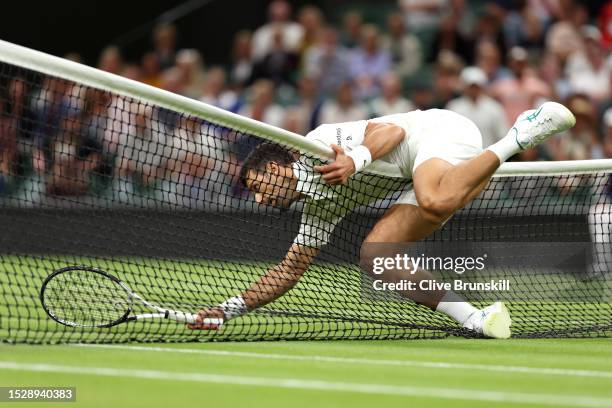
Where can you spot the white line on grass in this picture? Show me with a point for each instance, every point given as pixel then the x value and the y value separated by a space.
pixel 567 372
pixel 321 385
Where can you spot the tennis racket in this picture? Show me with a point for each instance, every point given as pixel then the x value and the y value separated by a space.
pixel 83 296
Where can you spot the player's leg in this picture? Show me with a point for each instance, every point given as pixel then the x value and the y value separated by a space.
pixel 405 223
pixel 402 223
pixel 444 181
pixel 443 188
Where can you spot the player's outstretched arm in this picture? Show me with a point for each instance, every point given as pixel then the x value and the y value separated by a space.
pixel 274 283
pixel 379 139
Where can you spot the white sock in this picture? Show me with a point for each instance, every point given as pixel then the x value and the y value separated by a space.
pixel 506 147
pixel 456 307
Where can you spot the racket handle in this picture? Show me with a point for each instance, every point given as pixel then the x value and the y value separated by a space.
pixel 191 318
pixel 213 321
pixel 181 317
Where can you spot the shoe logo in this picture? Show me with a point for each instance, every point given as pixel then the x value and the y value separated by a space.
pixel 516 138
pixel 534 115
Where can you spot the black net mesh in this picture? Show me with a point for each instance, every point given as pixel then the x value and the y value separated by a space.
pixel 152 196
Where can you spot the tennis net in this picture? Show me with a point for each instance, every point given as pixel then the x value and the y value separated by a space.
pixel 103 171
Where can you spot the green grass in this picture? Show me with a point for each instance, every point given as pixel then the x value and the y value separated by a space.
pixel 328 302
pixel 472 373
pixel 448 372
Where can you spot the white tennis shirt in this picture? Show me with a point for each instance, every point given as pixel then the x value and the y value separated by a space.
pixel 326 205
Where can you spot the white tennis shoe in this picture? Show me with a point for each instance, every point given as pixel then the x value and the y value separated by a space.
pixel 534 126
pixel 492 321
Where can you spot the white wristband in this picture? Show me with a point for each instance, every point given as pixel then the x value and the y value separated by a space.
pixel 233 307
pixel 361 157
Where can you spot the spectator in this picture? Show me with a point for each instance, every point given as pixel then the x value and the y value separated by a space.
pixel 607 135
pixel 446 78
pixel 605 104
pixel 404 48
pixel 344 108
pixel 475 104
pixel 94 119
pixel 308 105
pixel 74 57
pixel 279 13
pixel 242 64
pixel 173 81
pixel 524 90
pixel 523 26
pixel 191 66
pixel 551 72
pixel 580 142
pixel 189 158
pixel 368 63
pixel 605 25
pixel 117 122
pixel 132 71
pixel 12 117
pixel 351 29
pixel 423 96
pixel 293 121
pixel 489 28
pixel 311 20
pixel 70 172
pixel 151 71
pixel 423 15
pixel 546 10
pixel 49 106
pixel 164 44
pixel 327 62
pixel 391 101
pixel 8 146
pixel 450 38
pixel 110 60
pixel 142 151
pixel 261 106
pixel 215 92
pixel 466 17
pixel 488 58
pixel 589 70
pixel 279 64
pixel 563 37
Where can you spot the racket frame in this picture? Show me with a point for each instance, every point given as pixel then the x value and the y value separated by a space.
pixel 161 313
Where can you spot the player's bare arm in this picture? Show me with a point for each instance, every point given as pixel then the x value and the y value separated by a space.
pixel 379 139
pixel 274 283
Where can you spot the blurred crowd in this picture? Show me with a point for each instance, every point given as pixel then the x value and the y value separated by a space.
pixel 488 60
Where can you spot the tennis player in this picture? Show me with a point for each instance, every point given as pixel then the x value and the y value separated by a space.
pixel 439 150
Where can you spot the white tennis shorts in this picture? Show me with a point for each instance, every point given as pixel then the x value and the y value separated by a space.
pixel 441 134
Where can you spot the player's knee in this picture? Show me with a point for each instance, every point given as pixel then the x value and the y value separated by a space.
pixel 437 209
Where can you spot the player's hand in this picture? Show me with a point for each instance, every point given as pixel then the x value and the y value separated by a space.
pixel 340 170
pixel 205 314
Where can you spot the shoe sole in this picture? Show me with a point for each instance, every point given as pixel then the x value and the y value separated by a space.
pixel 497 324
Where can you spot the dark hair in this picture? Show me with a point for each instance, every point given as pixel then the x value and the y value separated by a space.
pixel 262 155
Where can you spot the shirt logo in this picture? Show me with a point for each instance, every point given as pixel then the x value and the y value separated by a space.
pixel 339 136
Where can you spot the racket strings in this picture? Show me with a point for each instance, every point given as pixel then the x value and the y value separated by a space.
pixel 83 298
